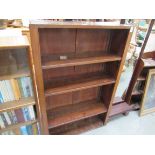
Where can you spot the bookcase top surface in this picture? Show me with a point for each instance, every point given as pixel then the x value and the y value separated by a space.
pixel 13 42
pixel 84 24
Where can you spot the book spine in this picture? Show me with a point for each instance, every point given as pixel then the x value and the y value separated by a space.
pixel 30 85
pixel 19 115
pixel 14 118
pixel 34 129
pixel 10 90
pixel 23 130
pixel 1 98
pixel 14 87
pixel 7 118
pixel 31 112
pixel 10 117
pixel 27 86
pixel 7 91
pixel 2 125
pixel 4 119
pixel 20 87
pixel 29 129
pixel 24 86
pixel 4 91
pixel 26 114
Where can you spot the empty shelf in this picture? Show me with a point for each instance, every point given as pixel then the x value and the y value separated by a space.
pixel 71 113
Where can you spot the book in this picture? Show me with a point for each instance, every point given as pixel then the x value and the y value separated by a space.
pixel 26 114
pixel 7 118
pixel 10 117
pixel 29 129
pixel 27 86
pixel 23 130
pixel 15 88
pixel 4 119
pixel 30 85
pixel 16 131
pixel 24 86
pixel 9 90
pixel 1 98
pixel 34 129
pixel 2 125
pixel 14 118
pixel 19 115
pixel 31 112
pixel 4 91
pixel 20 87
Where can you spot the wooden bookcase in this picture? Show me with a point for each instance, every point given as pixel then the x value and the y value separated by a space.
pixel 16 62
pixel 77 69
pixel 146 63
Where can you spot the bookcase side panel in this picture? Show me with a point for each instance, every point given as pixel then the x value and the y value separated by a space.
pixel 41 106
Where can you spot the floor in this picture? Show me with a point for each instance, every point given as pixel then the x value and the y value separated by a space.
pixel 131 124
pixel 127 125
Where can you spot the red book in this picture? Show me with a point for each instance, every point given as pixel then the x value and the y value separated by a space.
pixel 19 115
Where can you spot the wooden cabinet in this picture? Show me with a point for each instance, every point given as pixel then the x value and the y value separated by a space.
pixel 16 76
pixel 77 69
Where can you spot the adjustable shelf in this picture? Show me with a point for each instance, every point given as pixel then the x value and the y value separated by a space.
pixel 78 67
pixel 80 61
pixel 74 112
pixel 136 93
pixel 141 78
pixel 7 106
pixel 18 74
pixel 78 83
pixel 18 125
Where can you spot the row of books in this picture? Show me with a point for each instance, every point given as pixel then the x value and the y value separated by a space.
pixel 17 116
pixel 15 89
pixel 24 130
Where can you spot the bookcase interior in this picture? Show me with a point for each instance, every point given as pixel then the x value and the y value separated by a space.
pixel 13 61
pixel 79 67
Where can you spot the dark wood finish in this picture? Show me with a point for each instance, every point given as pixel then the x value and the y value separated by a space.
pixel 120 109
pixel 78 127
pixel 71 113
pixel 77 70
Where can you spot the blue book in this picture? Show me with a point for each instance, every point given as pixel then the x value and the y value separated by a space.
pixel 26 114
pixel 23 130
pixel 29 129
pixel 23 82
pixel 1 98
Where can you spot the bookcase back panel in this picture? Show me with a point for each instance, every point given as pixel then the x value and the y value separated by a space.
pixel 92 40
pixel 110 68
pixel 71 72
pixel 13 60
pixel 73 98
pixel 118 41
pixel 57 41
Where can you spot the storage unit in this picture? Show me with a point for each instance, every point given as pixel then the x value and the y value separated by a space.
pixel 77 69
pixel 15 67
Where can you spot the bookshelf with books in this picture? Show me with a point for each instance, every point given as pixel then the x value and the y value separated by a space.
pixel 77 69
pixel 17 99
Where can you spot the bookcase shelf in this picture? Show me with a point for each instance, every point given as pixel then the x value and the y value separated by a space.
pixel 136 93
pixel 7 106
pixel 18 74
pixel 78 67
pixel 79 83
pixel 141 78
pixel 80 61
pixel 71 113
pixel 18 125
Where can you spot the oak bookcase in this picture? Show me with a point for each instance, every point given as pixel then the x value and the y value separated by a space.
pixel 18 48
pixel 77 70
